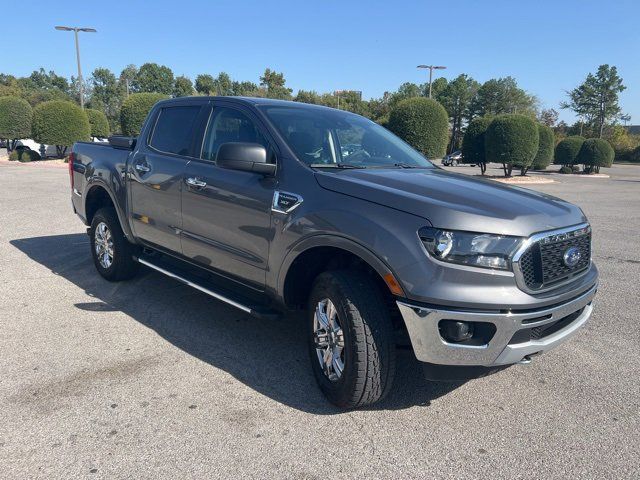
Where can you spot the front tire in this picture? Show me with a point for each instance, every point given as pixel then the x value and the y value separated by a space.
pixel 113 254
pixel 351 340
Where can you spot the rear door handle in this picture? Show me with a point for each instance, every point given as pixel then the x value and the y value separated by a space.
pixel 142 168
pixel 196 183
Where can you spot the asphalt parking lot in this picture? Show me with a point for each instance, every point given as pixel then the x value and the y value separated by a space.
pixel 151 379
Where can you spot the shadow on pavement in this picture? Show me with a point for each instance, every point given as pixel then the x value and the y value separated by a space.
pixel 269 356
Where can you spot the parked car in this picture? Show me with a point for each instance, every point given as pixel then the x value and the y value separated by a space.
pixel 453 159
pixel 251 201
pixel 49 150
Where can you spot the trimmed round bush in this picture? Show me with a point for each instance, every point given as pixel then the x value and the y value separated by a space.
pixel 567 150
pixel 512 140
pixel 546 141
pixel 473 150
pixel 423 123
pixel 635 155
pixel 135 109
pixel 595 153
pixel 98 123
pixel 24 155
pixel 15 118
pixel 60 123
pixel 565 169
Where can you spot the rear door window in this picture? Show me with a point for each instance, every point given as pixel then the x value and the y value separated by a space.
pixel 174 129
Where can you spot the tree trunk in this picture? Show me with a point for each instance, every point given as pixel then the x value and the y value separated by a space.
pixel 61 150
pixel 483 168
pixel 523 171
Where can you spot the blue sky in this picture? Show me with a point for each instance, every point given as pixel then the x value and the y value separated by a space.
pixel 548 46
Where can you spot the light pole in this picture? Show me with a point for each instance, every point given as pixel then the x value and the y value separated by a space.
pixel 431 69
pixel 75 30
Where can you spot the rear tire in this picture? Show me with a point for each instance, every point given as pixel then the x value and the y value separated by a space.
pixel 363 325
pixel 113 255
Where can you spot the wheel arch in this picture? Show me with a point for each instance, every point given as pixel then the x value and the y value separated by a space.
pixel 98 196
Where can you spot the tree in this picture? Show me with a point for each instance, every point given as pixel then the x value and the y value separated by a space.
pixel 596 99
pixel 205 84
pixel 548 117
pixel 15 120
pixel 512 139
pixel 438 87
pixel 126 79
pixel 502 95
pixel 153 78
pixel 567 150
pixel 106 94
pixel 274 83
pixel 182 87
pixel 223 84
pixel 456 99
pixel 546 142
pixel 595 153
pixel 60 123
pixel 423 123
pixel 473 144
pixel 135 109
pixel 98 123
pixel 243 89
pixel 307 96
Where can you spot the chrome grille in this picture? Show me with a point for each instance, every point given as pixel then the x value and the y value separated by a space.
pixel 541 265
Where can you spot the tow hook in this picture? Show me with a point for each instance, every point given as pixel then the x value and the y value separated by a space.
pixel 526 360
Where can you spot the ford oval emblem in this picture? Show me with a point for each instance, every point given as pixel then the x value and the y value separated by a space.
pixel 572 257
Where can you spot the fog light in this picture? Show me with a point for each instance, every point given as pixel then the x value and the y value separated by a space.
pixel 455 331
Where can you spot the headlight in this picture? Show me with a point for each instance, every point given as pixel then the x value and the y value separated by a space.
pixel 467 248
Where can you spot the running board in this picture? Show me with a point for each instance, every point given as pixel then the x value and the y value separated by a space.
pixel 256 311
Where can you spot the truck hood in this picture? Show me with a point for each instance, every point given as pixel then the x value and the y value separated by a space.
pixel 456 201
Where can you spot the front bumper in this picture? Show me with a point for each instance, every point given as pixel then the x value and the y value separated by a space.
pixel 429 346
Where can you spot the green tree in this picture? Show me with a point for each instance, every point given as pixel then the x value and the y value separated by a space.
pixel 512 140
pixel 106 95
pixel 595 153
pixel 438 87
pixel 567 150
pixel 61 124
pixel 244 89
pixel 548 117
pixel 98 123
pixel 456 99
pixel 182 87
pixel 596 99
pixel 205 84
pixel 223 84
pixel 126 79
pixel 473 148
pixel 15 120
pixel 153 78
pixel 502 95
pixel 423 123
pixel 135 109
pixel 546 142
pixel 307 96
pixel 274 84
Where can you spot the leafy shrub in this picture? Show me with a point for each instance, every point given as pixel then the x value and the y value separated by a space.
pixel 98 123
pixel 595 153
pixel 512 140
pixel 473 150
pixel 135 109
pixel 567 150
pixel 15 118
pixel 24 155
pixel 423 123
pixel 635 155
pixel 565 169
pixel 60 123
pixel 546 141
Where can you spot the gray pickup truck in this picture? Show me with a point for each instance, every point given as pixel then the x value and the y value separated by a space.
pixel 272 206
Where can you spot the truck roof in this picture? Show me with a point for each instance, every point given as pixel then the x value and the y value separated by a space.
pixel 252 101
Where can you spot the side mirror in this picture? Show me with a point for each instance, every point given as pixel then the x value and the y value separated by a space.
pixel 248 157
pixel 120 141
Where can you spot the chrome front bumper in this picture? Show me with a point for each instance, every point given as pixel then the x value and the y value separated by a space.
pixel 429 346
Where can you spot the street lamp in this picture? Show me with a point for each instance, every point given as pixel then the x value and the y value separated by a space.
pixel 431 69
pixel 75 30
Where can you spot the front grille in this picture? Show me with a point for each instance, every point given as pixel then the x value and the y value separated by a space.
pixel 542 265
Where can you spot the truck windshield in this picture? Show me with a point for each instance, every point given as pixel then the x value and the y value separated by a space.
pixel 324 138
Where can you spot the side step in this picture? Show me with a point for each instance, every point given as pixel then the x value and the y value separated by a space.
pixel 211 288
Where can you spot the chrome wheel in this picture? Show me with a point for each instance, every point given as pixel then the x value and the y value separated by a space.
pixel 329 339
pixel 103 241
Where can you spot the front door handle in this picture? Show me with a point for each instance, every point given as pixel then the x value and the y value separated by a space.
pixel 142 168
pixel 196 183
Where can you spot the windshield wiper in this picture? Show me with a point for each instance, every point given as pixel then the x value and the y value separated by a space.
pixel 335 165
pixel 403 165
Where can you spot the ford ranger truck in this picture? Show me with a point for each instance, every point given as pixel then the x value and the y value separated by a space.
pixel 271 206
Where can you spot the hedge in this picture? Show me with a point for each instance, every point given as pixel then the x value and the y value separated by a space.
pixel 24 155
pixel 15 118
pixel 546 141
pixel 423 123
pixel 567 150
pixel 135 109
pixel 473 150
pixel 98 123
pixel 60 123
pixel 595 153
pixel 512 139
